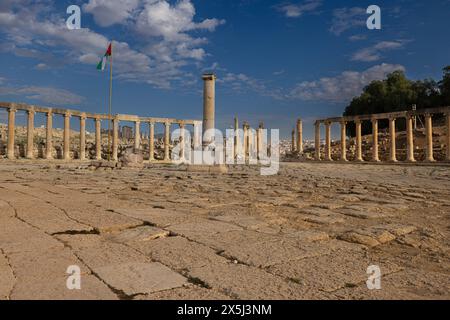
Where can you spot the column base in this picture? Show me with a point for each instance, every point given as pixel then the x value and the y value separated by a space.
pixel 343 160
pixel 393 160
pixel 411 161
pixel 375 160
pixel 430 161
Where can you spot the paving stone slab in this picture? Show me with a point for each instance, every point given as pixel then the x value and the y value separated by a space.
pixel 332 271
pixel 179 253
pixel 97 252
pixel 158 217
pixel 249 283
pixel 203 227
pixel 185 293
pixel 140 278
pixel 139 234
pixel 7 278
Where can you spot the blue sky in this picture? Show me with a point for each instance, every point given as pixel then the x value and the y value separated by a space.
pixel 275 60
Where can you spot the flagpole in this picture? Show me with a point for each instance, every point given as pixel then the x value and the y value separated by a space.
pixel 110 100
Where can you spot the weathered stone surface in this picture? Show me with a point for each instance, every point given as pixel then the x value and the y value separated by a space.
pixel 139 234
pixel 140 278
pixel 7 278
pixel 180 253
pixel 238 235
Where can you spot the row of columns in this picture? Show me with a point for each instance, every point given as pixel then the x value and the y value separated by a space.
pixel 98 138
pixel 297 137
pixel 249 142
pixel 392 139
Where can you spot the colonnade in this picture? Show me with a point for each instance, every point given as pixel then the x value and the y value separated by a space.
pixel 409 117
pixel 31 110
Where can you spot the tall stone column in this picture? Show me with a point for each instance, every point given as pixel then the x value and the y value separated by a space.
pixel 167 141
pixel 393 151
pixel 137 135
pixel 317 140
pixel 209 97
pixel 83 137
pixel 299 136
pixel 66 148
pixel 358 141
pixel 246 142
pixel 429 134
pixel 375 156
pixel 343 140
pixel 410 139
pixel 293 146
pixel 236 138
pixel 115 140
pixel 151 141
pixel 11 132
pixel 98 139
pixel 328 141
pixel 197 135
pixel 30 134
pixel 49 136
pixel 447 120
pixel 259 141
pixel 182 141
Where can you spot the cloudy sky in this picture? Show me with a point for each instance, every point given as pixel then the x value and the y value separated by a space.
pixel 275 60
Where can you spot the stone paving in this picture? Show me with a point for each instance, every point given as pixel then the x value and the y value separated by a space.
pixel 162 232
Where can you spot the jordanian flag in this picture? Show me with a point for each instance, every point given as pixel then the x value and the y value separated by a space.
pixel 101 65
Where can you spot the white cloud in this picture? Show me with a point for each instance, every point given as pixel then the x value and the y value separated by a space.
pixel 162 33
pixel 357 37
pixel 342 87
pixel 296 10
pixel 347 18
pixel 373 53
pixel 48 95
pixel 109 12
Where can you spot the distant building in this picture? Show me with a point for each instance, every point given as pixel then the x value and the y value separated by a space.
pixel 126 132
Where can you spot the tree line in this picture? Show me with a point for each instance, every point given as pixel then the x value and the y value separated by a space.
pixel 398 93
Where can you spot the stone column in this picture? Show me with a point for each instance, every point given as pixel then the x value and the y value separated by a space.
pixel 236 138
pixel 49 136
pixel 447 120
pixel 83 137
pixel 410 139
pixel 317 140
pixel 151 141
pixel 393 151
pixel 30 134
pixel 167 141
pixel 197 133
pixel 328 141
pixel 343 140
pixel 246 149
pixel 137 135
pixel 293 141
pixel 209 97
pixel 11 132
pixel 429 134
pixel 182 141
pixel 299 136
pixel 66 148
pixel 259 140
pixel 115 140
pixel 358 141
pixel 375 156
pixel 98 139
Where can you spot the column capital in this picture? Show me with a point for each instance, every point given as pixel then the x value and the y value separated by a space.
pixel 83 116
pixel 261 125
pixel 343 122
pixel 427 114
pixel 31 111
pixel 12 109
pixel 97 119
pixel 67 115
pixel 49 113
pixel 357 121
pixel 392 118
